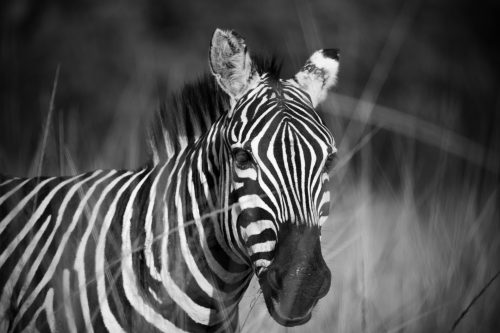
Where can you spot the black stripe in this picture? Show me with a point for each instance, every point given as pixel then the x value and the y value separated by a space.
pixel 264 236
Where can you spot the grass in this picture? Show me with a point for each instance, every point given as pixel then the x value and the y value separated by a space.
pixel 397 268
pixel 413 239
pixel 404 257
pixel 411 250
pixel 410 256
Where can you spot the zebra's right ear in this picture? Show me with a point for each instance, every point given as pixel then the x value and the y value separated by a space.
pixel 231 64
pixel 319 74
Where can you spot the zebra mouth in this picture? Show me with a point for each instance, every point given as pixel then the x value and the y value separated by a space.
pixel 282 310
pixel 284 320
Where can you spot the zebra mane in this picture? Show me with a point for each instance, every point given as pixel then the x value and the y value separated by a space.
pixel 184 116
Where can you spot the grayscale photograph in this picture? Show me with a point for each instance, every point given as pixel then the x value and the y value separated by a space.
pixel 249 166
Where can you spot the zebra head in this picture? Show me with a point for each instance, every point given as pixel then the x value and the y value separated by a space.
pixel 279 152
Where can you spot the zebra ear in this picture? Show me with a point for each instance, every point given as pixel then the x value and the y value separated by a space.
pixel 319 74
pixel 230 63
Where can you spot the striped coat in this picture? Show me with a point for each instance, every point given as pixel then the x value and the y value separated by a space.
pixel 237 187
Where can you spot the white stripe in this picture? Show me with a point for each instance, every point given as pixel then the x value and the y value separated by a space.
pixel 250 132
pixel 235 211
pixel 244 107
pixel 49 309
pixel 47 306
pixel 15 189
pixel 324 199
pixel 303 179
pixel 229 216
pixel 186 253
pixel 76 217
pixel 130 283
pixel 196 312
pixel 21 204
pixel 68 305
pixel 49 273
pixel 311 179
pixel 79 265
pixel 212 262
pixel 267 246
pixel 317 178
pixel 306 170
pixel 257 227
pixel 244 120
pixel 262 263
pixel 55 258
pixel 286 190
pixel 31 222
pixel 294 173
pixel 100 261
pixel 8 181
pixel 212 216
pixel 253 201
pixel 208 288
pixel 319 190
pixel 183 142
pixel 293 90
pixel 250 173
pixel 246 202
pixel 149 239
pixel 311 126
pixel 255 147
pixel 8 288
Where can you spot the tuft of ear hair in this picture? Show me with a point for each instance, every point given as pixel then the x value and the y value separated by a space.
pixel 230 63
pixel 319 74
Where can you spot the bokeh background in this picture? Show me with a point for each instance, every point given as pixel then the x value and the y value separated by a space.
pixel 414 239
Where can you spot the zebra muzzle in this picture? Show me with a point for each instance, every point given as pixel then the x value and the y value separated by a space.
pixel 297 278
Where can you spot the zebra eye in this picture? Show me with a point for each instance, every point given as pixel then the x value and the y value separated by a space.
pixel 242 158
pixel 330 162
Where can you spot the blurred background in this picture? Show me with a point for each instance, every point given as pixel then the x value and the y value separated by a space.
pixel 413 241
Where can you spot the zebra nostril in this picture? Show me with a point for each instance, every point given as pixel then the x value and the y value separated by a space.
pixel 273 279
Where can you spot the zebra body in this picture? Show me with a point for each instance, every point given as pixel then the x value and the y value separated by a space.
pixel 173 246
pixel 124 227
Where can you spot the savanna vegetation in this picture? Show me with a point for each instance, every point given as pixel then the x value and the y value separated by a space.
pixel 413 241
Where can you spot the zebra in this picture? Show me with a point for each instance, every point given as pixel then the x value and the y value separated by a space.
pixel 237 186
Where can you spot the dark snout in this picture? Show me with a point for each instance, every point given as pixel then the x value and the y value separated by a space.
pixel 298 276
pixel 332 53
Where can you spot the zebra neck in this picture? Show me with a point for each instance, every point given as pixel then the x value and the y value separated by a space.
pixel 199 196
pixel 200 236
pixel 190 264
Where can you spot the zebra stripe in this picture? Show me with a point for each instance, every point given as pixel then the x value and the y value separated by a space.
pixel 68 307
pixel 173 246
pixel 129 278
pixel 79 265
pixel 148 243
pixel 19 207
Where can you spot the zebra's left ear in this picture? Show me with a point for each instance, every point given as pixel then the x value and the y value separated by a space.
pixel 319 74
pixel 230 63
